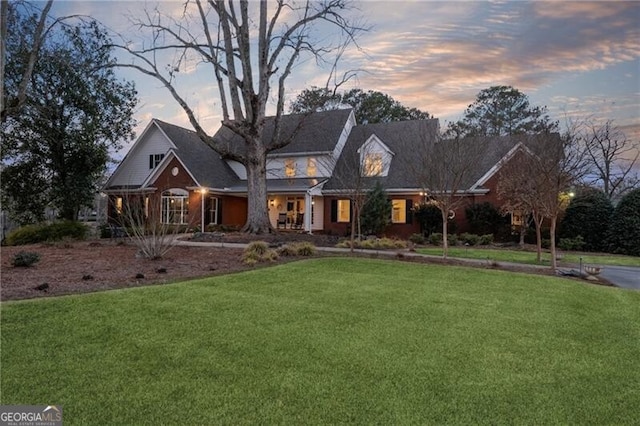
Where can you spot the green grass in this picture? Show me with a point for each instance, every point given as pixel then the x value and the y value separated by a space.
pixel 332 340
pixel 529 257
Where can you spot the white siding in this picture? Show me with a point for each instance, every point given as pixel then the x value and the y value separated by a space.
pixel 135 168
pixel 318 214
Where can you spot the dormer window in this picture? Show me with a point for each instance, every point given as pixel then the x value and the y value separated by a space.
pixel 154 160
pixel 312 169
pixel 372 164
pixel 290 168
pixel 375 157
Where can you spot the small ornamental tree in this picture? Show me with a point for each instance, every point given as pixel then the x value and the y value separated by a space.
pixel 624 232
pixel 588 215
pixel 376 212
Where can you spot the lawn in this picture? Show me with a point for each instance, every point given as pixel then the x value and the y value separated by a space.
pixel 332 340
pixel 529 257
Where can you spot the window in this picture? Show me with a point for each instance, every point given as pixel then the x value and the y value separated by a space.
pixel 344 210
pixel 399 211
pixel 290 168
pixel 119 205
pixel 175 206
pixel 372 164
pixel 312 169
pixel 516 218
pixel 213 210
pixel 154 160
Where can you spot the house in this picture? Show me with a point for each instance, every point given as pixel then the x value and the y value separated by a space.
pixel 308 180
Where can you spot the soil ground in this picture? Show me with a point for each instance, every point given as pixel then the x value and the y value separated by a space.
pixel 96 265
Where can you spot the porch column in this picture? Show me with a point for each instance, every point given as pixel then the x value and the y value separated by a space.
pixel 308 211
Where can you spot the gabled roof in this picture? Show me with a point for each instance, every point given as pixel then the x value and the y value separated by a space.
pixel 399 136
pixel 205 165
pixel 313 132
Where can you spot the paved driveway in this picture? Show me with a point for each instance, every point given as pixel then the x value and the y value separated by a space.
pixel 622 276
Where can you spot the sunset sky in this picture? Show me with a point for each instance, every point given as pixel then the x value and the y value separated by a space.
pixel 577 58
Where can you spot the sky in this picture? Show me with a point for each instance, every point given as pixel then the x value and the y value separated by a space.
pixel 579 59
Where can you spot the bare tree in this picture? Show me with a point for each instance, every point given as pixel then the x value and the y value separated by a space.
pixel 611 157
pixel 559 163
pixel 540 180
pixel 443 169
pixel 249 52
pixel 519 190
pixel 149 227
pixel 353 177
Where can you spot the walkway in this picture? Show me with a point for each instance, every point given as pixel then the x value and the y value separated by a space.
pixel 620 276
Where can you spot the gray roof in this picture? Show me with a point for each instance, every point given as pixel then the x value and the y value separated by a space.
pixel 404 138
pixel 312 132
pixel 205 164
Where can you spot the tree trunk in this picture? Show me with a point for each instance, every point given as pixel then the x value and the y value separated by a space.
pixel 445 238
pixel 523 233
pixel 538 223
pixel 257 210
pixel 552 237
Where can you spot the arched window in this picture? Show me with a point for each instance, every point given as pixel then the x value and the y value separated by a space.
pixel 175 206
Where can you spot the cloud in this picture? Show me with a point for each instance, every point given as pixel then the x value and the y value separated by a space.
pixel 445 53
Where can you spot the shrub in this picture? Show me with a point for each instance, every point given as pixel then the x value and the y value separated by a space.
pixel 588 215
pixel 484 218
pixel 470 239
pixel 452 239
pixel 288 250
pixel 568 244
pixel 25 258
pixel 57 231
pixel 624 233
pixel 417 238
pixel 435 238
pixel 258 251
pixel 303 248
pixel 486 239
pixel 429 217
pixel 374 244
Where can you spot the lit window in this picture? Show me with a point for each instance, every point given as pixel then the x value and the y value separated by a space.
pixel 290 168
pixel 399 211
pixel 119 205
pixel 175 206
pixel 154 160
pixel 311 167
pixel 373 164
pixel 516 218
pixel 344 210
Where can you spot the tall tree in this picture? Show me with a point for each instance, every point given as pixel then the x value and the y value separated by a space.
pixel 75 111
pixel 20 64
pixel 501 111
pixel 369 107
pixel 611 156
pixel 251 47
